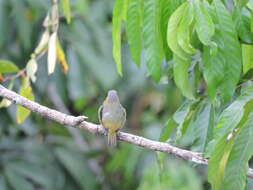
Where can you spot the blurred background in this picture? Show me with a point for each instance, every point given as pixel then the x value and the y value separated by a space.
pixel 41 154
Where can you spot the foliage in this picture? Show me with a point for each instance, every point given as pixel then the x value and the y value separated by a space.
pixel 199 48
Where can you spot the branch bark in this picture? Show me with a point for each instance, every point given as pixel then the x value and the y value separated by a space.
pixel 79 122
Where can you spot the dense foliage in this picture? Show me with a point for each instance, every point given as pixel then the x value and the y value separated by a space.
pixel 58 53
pixel 208 47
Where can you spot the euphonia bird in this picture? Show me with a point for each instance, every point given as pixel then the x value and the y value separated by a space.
pixel 112 116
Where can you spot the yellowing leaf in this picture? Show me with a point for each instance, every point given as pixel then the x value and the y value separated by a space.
pixel 51 59
pixel 26 91
pixel 7 67
pixel 61 57
pixel 31 69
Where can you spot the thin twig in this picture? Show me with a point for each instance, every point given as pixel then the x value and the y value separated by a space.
pixel 79 122
pixel 18 74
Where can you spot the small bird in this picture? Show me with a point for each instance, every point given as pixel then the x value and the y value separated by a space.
pixel 112 116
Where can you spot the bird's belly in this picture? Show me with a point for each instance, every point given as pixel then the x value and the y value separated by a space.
pixel 111 124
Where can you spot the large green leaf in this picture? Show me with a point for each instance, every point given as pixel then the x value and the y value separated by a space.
pixel 180 119
pixel 231 50
pixel 183 117
pixel 181 75
pixel 247 57
pixel 237 166
pixel 218 161
pixel 222 71
pixel 167 8
pixel 204 24
pixel 152 38
pixel 133 29
pixel 185 30
pixel 242 23
pixel 167 130
pixel 116 33
pixel 7 67
pixel 232 115
pixel 17 180
pixel 34 172
pixel 172 30
pixel 202 125
pixel 213 69
pixel 232 118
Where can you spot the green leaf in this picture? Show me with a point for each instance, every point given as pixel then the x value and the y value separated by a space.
pixel 231 51
pixel 247 57
pixel 231 120
pixel 183 116
pixel 213 69
pixel 167 8
pixel 172 30
pixel 26 91
pixel 242 24
pixel 66 10
pixel 233 114
pixel 222 71
pixel 124 10
pixel 202 125
pixel 117 17
pixel 17 181
pixel 152 38
pixel 218 161
pixel 204 24
pixel 167 130
pixel 34 172
pixel 75 163
pixel 181 76
pixel 133 29
pixel 7 67
pixel 240 3
pixel 237 166
pixel 185 30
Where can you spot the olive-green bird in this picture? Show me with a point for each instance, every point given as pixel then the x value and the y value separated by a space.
pixel 112 116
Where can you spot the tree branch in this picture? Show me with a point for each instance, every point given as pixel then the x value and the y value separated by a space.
pixel 78 122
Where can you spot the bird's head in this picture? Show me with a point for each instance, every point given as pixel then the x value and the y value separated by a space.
pixel 112 96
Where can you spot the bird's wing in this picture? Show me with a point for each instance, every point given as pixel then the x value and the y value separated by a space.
pixel 124 116
pixel 100 111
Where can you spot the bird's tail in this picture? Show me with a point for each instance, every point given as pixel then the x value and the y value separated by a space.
pixel 112 138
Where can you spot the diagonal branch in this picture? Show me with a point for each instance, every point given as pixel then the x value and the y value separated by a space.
pixel 78 122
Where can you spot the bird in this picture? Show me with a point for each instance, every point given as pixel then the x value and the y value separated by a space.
pixel 112 116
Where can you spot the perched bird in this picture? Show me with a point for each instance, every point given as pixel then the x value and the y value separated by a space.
pixel 112 116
